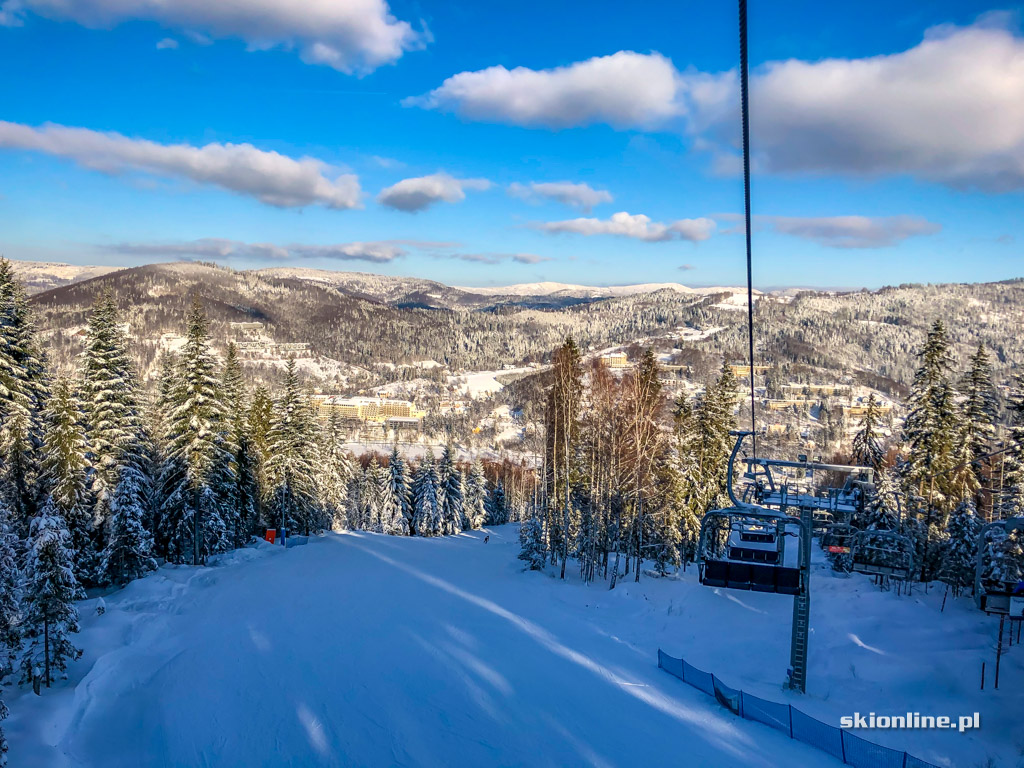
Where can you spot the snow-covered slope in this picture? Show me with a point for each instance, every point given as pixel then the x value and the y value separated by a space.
pixel 365 650
pixel 39 276
pixel 580 291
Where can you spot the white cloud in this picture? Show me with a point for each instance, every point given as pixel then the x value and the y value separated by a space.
pixel 852 231
pixel 497 258
pixel 421 192
pixel 167 43
pixel 625 90
pixel 581 196
pixel 270 177
pixel 636 226
pixel 348 35
pixel 217 248
pixel 950 110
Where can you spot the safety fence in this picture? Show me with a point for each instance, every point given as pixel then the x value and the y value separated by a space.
pixel 841 744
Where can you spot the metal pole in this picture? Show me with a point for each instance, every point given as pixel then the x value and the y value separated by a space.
pixel 999 650
pixel 746 202
pixel 802 607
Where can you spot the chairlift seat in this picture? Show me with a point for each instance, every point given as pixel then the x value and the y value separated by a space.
pixel 754 577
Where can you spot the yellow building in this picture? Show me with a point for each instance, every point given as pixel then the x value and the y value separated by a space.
pixel 615 360
pixel 743 371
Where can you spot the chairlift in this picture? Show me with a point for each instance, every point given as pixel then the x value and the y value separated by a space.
pixel 882 553
pixel 749 547
pixel 997 597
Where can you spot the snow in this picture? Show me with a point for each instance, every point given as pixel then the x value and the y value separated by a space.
pixel 589 291
pixel 482 383
pixel 362 649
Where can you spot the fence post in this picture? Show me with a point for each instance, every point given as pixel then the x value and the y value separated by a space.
pixel 842 743
pixel 791 721
pixel 904 760
pixel 741 706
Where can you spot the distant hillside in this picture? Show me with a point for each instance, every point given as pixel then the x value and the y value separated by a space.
pixel 39 276
pixel 381 323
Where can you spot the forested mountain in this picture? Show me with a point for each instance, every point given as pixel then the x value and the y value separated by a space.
pixel 364 320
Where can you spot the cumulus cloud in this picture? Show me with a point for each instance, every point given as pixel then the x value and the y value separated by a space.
pixel 949 110
pixel 636 226
pixel 270 177
pixel 217 248
pixel 581 196
pixel 416 194
pixel 852 231
pixel 167 43
pixel 625 90
pixel 348 35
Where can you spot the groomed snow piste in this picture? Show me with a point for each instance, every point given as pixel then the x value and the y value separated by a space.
pixel 368 650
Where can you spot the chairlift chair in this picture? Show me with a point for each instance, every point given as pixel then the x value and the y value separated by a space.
pixel 882 553
pixel 744 547
pixel 992 596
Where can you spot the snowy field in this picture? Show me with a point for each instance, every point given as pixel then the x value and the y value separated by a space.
pixel 367 650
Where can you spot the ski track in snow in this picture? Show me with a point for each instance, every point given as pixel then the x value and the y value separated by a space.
pixel 362 649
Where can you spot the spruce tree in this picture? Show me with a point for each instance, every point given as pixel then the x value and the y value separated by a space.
pixel 243 494
pixel 427 513
pixel 400 490
pixel 932 433
pixel 293 463
pixel 336 472
pixel 451 492
pixel 1011 494
pixel 532 539
pixel 64 468
pixel 867 446
pixel 497 505
pixel 392 520
pixel 50 616
pixel 23 394
pixel 476 495
pixel 128 554
pixel 258 423
pixel 959 560
pixel 10 594
pixel 374 482
pixel 979 410
pixel 198 453
pixel 110 400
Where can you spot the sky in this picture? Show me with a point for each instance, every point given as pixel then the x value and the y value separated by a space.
pixel 508 142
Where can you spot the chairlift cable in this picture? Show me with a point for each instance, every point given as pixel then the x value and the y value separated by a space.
pixel 746 200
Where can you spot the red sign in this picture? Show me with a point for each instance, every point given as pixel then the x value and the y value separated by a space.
pixel 839 550
pixel 270 535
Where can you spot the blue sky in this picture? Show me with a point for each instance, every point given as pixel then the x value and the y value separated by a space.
pixel 452 140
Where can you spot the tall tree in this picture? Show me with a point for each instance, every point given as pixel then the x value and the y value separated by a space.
pixel 563 424
pixel 198 451
pixel 450 483
pixel 400 490
pixel 337 472
pixel 867 445
pixel 109 395
pixel 979 411
pixel 427 515
pixel 476 495
pixel 930 432
pixel 23 394
pixel 64 475
pixel 293 463
pixel 245 491
pixel 258 423
pixel 50 616
pixel 10 594
pixel 1011 494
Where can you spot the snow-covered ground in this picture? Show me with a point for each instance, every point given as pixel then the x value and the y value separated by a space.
pixel 361 649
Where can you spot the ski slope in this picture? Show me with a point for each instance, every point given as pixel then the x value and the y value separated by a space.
pixel 367 650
